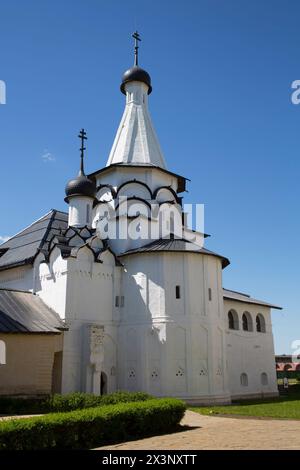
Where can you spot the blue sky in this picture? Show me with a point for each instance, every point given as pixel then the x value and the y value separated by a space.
pixel 221 73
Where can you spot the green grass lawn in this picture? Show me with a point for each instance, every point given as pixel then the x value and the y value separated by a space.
pixel 283 407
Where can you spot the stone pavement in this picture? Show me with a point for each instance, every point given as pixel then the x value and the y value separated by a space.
pixel 223 433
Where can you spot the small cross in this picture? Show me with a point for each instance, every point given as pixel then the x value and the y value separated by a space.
pixel 82 136
pixel 136 38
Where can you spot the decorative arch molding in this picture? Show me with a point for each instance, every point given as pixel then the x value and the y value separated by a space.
pixel 134 181
pixel 77 252
pixel 76 240
pixel 55 251
pixel 147 203
pixel 169 203
pixel 96 243
pixel 145 207
pixel 95 252
pixel 83 232
pixel 102 257
pixel 110 188
pixel 167 188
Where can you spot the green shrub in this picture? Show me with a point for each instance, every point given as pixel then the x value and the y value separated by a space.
pixel 18 406
pixel 68 402
pixel 88 428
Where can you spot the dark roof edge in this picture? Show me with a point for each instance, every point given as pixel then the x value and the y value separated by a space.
pixel 17 290
pixel 24 262
pixel 58 332
pixel 249 300
pixel 225 261
pixel 236 292
pixel 121 165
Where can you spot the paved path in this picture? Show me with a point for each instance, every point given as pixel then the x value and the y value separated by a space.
pixel 208 432
pixel 6 417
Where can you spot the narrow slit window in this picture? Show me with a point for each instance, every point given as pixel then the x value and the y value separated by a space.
pixel 209 294
pixel 88 214
pixel 117 301
pixel 177 292
pixel 2 352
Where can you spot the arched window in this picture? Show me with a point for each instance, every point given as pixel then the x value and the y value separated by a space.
pixel 260 323
pixel 233 320
pixel 288 367
pixel 247 322
pixel 244 379
pixel 264 378
pixel 2 353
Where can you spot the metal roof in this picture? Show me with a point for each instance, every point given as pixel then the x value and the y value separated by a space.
pixel 174 245
pixel 240 297
pixel 24 312
pixel 22 248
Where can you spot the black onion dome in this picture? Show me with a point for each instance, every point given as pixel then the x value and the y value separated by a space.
pixel 80 186
pixel 136 74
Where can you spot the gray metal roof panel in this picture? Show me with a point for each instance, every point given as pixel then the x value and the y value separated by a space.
pixel 173 245
pixel 24 246
pixel 25 312
pixel 241 297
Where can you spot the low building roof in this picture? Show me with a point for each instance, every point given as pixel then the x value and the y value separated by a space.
pixel 25 312
pixel 174 245
pixel 22 248
pixel 241 297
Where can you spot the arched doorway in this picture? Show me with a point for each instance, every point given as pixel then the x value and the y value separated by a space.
pixel 103 384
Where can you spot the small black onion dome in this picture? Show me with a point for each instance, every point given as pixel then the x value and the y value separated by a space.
pixel 80 186
pixel 136 74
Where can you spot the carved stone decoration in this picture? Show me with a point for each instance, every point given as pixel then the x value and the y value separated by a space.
pixel 96 355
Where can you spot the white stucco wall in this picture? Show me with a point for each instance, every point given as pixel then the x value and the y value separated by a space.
pixel 250 352
pixel 80 211
pixel 91 290
pixel 51 281
pixel 172 346
pixel 17 278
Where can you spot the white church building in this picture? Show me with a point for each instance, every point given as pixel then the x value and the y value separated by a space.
pixel 86 304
